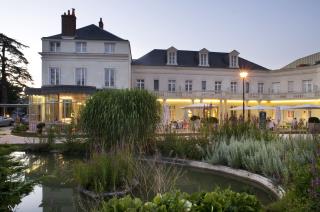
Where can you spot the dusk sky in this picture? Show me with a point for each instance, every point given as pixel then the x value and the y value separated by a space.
pixel 270 33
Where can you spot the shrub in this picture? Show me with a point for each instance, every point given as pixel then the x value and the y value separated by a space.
pixel 105 172
pixel 218 200
pixel 119 116
pixel 40 127
pixel 184 147
pixel 19 128
pixel 194 118
pixel 313 120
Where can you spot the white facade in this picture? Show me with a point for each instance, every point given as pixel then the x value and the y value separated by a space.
pixel 95 60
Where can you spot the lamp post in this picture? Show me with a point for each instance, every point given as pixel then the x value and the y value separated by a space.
pixel 243 75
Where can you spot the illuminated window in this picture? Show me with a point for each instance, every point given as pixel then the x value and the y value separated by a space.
pixel 66 108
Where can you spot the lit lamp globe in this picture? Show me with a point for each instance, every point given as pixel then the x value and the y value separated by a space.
pixel 243 74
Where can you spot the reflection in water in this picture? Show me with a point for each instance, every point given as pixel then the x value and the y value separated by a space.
pixel 56 190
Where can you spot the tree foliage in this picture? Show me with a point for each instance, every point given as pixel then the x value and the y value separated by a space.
pixel 120 116
pixel 12 184
pixel 13 66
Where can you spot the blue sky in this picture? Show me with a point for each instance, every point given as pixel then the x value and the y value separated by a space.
pixel 271 33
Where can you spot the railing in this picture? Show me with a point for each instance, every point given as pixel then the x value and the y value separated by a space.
pixel 238 96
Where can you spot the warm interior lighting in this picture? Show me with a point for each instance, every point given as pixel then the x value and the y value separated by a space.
pixel 160 100
pixel 295 101
pixel 234 101
pixel 196 101
pixel 179 100
pixel 243 74
pixel 210 100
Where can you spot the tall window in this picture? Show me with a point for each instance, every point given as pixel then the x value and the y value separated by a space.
pixel 140 83
pixel 233 87
pixel 188 85
pixel 54 76
pixel 54 46
pixel 171 85
pixel 306 86
pixel 217 86
pixel 203 85
pixel 247 87
pixel 276 87
pixel 290 86
pixel 203 59
pixel 233 61
pixel 66 108
pixel 156 85
pixel 81 47
pixel 109 47
pixel 109 74
pixel 260 87
pixel 172 58
pixel 80 76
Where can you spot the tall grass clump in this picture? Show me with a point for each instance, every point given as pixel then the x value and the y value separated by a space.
pixel 105 172
pixel 272 159
pixel 120 116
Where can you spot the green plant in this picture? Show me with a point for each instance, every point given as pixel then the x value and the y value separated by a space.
pixel 120 116
pixel 194 118
pixel 313 120
pixel 105 172
pixel 19 128
pixel 218 200
pixel 13 185
pixel 40 127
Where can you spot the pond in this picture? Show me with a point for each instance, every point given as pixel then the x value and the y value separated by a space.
pixel 56 192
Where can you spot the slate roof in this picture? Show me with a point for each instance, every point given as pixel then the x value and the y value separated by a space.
pixel 90 32
pixel 158 57
pixel 55 89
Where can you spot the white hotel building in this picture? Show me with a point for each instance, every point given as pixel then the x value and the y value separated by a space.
pixel 78 62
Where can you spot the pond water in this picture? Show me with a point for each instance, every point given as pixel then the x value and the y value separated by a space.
pixel 57 192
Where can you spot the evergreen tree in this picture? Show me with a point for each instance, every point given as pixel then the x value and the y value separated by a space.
pixel 13 63
pixel 12 182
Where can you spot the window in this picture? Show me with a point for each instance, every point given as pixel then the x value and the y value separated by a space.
pixel 203 59
pixel 156 85
pixel 290 86
pixel 306 86
pixel 217 86
pixel 247 87
pixel 172 58
pixel 80 76
pixel 276 87
pixel 140 83
pixel 54 76
pixel 203 85
pixel 171 85
pixel 54 46
pixel 233 61
pixel 81 47
pixel 260 88
pixel 233 87
pixel 188 85
pixel 109 47
pixel 66 108
pixel 109 74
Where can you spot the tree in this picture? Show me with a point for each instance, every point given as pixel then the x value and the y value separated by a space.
pixel 13 66
pixel 13 185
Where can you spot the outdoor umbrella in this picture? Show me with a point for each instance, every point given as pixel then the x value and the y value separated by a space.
pixel 240 108
pixel 306 107
pixel 261 107
pixel 198 106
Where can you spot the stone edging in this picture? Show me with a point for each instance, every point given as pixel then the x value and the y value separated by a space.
pixel 256 178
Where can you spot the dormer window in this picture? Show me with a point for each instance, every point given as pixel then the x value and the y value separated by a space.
pixel 203 57
pixel 172 56
pixel 234 59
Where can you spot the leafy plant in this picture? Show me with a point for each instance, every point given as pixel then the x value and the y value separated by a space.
pixel 13 185
pixel 120 116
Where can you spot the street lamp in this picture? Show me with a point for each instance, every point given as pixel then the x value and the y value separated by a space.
pixel 243 75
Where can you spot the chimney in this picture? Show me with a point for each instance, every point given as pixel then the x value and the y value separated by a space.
pixel 68 23
pixel 101 23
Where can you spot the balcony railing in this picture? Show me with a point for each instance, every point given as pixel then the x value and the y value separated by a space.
pixel 237 96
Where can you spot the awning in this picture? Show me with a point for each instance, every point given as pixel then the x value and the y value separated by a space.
pixel 56 89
